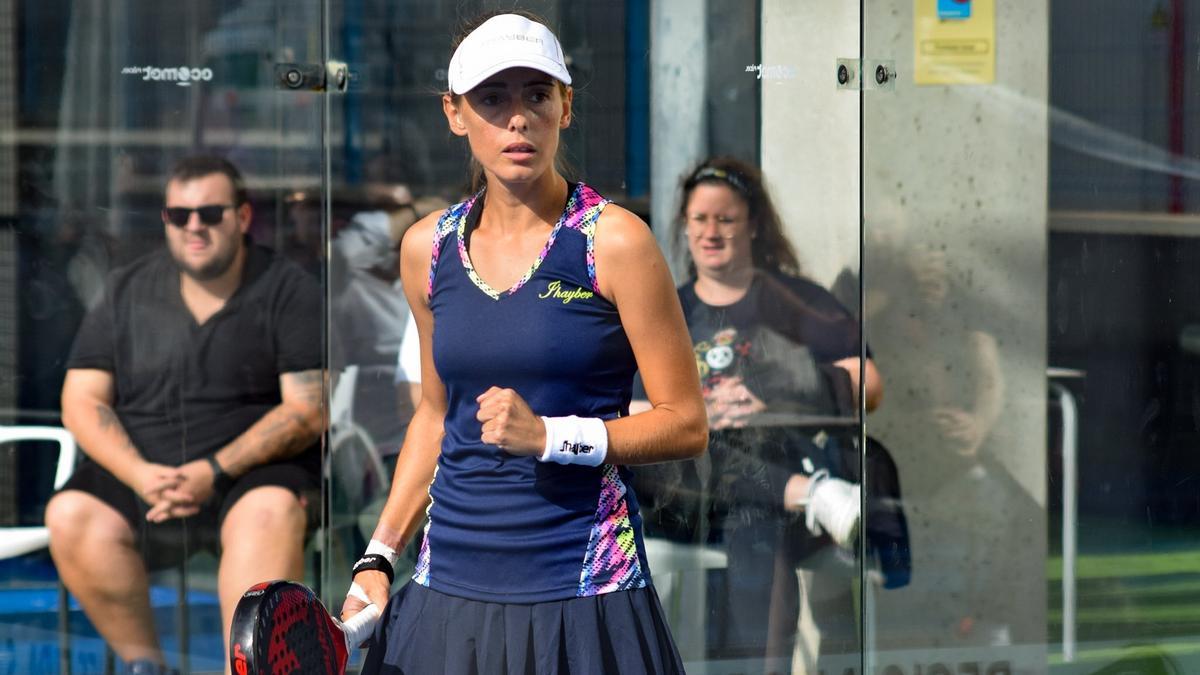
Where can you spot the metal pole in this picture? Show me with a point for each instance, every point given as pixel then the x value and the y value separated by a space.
pixel 64 630
pixel 1070 441
pixel 182 622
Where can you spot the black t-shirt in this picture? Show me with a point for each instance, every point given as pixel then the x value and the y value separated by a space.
pixel 775 338
pixel 183 390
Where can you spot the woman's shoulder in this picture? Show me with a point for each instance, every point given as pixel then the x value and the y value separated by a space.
pixel 622 239
pixel 418 240
pixel 621 230
pixel 625 251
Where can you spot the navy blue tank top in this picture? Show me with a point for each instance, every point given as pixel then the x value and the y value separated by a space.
pixel 504 528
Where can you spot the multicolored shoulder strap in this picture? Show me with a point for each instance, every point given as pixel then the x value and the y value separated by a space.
pixel 446 224
pixel 581 214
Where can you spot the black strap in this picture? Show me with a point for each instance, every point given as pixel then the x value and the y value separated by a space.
pixel 375 562
pixel 221 480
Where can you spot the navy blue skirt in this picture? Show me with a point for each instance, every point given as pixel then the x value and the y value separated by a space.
pixel 424 632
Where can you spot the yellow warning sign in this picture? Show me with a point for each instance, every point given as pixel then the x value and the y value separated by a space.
pixel 954 50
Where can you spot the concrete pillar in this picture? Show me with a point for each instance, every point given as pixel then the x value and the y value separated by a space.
pixel 810 130
pixel 677 91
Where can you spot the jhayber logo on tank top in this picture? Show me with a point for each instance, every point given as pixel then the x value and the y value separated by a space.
pixel 555 290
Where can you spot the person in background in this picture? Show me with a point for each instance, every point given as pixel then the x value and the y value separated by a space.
pixel 371 316
pixel 194 388
pixel 779 359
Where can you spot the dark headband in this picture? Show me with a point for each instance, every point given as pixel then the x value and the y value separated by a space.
pixel 733 178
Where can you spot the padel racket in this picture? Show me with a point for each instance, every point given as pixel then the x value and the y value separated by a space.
pixel 281 628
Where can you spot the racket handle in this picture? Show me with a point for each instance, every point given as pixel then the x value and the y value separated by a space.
pixel 360 626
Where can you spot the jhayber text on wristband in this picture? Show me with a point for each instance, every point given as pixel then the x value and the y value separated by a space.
pixel 575 440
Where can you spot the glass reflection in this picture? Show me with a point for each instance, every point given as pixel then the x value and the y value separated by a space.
pixel 378 362
pixel 970 506
pixel 109 98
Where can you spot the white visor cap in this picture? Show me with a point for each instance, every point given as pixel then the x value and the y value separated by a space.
pixel 502 42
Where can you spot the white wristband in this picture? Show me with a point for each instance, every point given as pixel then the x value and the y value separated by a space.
pixel 376 546
pixel 575 440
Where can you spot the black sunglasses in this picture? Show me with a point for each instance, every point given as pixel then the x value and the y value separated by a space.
pixel 210 214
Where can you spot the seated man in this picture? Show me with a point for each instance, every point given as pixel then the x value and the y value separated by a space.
pixel 194 389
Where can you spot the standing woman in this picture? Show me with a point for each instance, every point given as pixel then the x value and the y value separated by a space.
pixel 540 300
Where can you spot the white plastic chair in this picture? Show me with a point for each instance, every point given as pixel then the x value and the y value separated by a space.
pixel 679 572
pixel 352 450
pixel 18 541
pixel 344 432
pixel 15 541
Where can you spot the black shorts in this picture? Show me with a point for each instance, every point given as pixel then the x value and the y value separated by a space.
pixel 166 544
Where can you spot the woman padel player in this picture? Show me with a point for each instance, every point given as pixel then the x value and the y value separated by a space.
pixel 536 301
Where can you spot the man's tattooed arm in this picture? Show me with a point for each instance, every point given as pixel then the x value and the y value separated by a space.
pixel 87 411
pixel 287 429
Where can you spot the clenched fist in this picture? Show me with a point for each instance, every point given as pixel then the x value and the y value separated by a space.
pixel 509 424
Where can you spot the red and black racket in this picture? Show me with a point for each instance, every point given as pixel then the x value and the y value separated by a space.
pixel 281 628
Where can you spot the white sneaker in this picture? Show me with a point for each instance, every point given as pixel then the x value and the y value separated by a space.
pixel 833 507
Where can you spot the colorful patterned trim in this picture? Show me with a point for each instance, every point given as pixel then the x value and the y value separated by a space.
pixel 584 220
pixel 581 212
pixel 474 276
pixel 611 562
pixel 445 225
pixel 421 570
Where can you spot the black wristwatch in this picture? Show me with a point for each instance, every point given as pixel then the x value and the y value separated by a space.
pixel 221 480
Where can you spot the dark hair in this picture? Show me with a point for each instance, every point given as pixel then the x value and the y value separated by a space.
pixel 770 248
pixel 198 166
pixel 478 179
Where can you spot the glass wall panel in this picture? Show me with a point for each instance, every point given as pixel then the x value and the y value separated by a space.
pixel 954 193
pixel 166 325
pixel 1122 237
pixel 809 144
pixel 1018 254
pixel 1027 265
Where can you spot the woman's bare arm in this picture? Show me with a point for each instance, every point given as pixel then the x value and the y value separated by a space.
pixel 633 275
pixel 868 373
